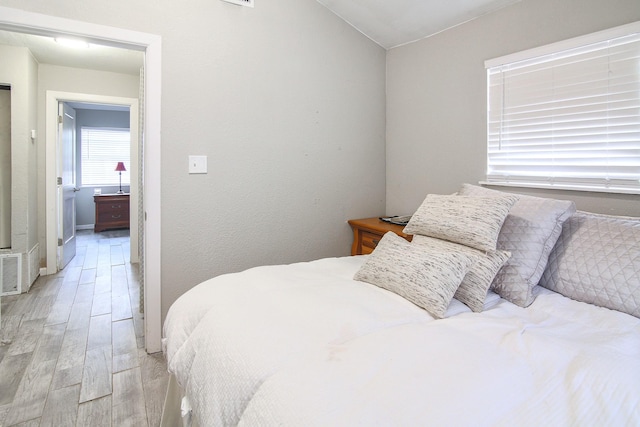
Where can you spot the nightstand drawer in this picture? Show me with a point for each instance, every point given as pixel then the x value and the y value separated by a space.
pixel 369 241
pixel 368 232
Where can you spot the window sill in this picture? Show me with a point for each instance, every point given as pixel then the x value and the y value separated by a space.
pixel 586 188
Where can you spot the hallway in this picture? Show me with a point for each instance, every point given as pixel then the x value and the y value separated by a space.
pixel 72 349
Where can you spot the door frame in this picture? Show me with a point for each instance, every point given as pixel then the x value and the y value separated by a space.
pixel 46 25
pixel 53 98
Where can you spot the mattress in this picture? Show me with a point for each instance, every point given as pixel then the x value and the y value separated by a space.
pixel 304 344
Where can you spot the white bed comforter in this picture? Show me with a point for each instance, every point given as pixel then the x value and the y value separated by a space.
pixel 305 345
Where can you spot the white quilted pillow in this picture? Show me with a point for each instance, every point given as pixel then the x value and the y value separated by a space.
pixel 427 277
pixel 474 287
pixel 529 233
pixel 470 221
pixel 597 260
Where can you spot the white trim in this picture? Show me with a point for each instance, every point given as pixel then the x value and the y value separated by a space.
pixel 559 187
pixel 85 227
pixel 51 129
pixel 51 26
pixel 33 263
pixel 34 23
pixel 587 39
pixel 151 202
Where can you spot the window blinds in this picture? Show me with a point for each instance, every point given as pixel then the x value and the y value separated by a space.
pixel 101 150
pixel 567 119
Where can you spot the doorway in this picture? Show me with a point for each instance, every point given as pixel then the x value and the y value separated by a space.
pixel 53 194
pixel 34 23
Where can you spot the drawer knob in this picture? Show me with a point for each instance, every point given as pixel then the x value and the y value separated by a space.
pixel 116 206
pixel 116 216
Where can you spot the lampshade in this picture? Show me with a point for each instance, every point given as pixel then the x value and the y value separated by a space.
pixel 120 167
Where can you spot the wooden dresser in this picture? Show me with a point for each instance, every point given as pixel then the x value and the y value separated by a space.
pixel 367 233
pixel 112 211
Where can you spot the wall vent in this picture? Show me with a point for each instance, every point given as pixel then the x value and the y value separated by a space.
pixel 248 3
pixel 10 274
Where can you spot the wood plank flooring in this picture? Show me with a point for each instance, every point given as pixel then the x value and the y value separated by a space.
pixel 72 349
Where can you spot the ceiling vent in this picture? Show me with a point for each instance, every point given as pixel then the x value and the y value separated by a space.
pixel 248 3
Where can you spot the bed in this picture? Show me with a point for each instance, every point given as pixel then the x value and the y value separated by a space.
pixel 547 332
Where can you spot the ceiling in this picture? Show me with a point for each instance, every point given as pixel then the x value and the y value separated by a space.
pixel 96 57
pixel 392 23
pixel 389 23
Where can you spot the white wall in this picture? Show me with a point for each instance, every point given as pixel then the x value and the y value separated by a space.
pixel 286 100
pixel 19 70
pixel 436 98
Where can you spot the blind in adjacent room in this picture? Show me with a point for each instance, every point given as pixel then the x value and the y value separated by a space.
pixel 567 115
pixel 101 150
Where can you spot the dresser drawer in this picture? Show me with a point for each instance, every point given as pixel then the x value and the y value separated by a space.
pixel 115 205
pixel 112 213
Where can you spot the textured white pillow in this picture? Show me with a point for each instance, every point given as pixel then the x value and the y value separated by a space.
pixel 470 221
pixel 529 233
pixel 425 276
pixel 597 260
pixel 474 287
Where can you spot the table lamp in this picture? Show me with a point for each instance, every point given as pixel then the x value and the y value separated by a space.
pixel 120 167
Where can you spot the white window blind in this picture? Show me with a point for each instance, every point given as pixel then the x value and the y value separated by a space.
pixel 569 118
pixel 101 150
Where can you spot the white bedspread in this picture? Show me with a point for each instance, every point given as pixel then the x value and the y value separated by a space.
pixel 304 344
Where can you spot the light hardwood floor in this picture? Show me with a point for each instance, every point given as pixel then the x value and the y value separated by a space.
pixel 72 349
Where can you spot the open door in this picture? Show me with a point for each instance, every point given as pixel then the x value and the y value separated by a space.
pixel 66 184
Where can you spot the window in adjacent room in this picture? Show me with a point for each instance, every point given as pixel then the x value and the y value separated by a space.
pixel 101 150
pixel 567 115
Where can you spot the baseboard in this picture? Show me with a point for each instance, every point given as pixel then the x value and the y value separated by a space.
pixel 85 227
pixel 33 263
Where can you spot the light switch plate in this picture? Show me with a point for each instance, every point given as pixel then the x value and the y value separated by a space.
pixel 197 164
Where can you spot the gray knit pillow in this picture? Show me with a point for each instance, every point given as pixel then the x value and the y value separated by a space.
pixel 470 221
pixel 427 277
pixel 474 287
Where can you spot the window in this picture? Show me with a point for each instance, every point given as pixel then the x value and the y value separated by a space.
pixel 567 115
pixel 101 150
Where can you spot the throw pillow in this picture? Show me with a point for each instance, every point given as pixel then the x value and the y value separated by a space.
pixel 474 287
pixel 470 221
pixel 597 260
pixel 425 276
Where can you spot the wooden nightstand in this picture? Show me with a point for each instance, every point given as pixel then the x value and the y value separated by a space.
pixel 367 233
pixel 112 211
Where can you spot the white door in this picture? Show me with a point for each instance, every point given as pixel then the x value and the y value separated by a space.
pixel 66 184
